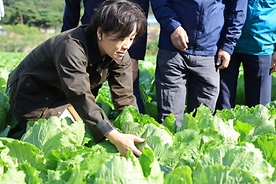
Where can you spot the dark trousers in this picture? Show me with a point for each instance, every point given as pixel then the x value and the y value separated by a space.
pixel 257 81
pixel 178 75
pixel 136 92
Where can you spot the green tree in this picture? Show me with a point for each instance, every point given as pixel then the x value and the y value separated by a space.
pixel 38 13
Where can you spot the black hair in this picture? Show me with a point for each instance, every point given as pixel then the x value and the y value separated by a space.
pixel 118 17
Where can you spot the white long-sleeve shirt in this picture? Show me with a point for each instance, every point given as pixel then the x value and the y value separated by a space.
pixel 1 9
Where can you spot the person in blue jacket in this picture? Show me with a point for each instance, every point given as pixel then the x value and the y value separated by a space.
pixel 256 51
pixel 196 40
pixel 72 17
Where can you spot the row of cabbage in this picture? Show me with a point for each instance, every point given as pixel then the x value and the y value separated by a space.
pixel 232 146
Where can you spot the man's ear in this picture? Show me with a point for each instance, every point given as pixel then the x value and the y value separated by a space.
pixel 99 33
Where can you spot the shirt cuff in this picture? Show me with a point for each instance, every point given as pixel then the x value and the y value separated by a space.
pixel 100 130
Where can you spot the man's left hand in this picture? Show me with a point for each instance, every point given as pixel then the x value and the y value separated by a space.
pixel 223 59
pixel 273 63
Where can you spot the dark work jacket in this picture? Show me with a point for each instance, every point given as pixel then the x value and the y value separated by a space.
pixel 71 18
pixel 64 69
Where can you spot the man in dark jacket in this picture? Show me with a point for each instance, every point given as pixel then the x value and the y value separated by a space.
pixel 64 69
pixel 137 51
pixel 196 39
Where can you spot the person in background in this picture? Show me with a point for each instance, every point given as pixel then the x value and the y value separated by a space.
pixel 61 72
pixel 196 40
pixel 2 12
pixel 256 51
pixel 72 17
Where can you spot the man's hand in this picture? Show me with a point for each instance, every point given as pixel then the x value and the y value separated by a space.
pixel 124 142
pixel 273 63
pixel 223 59
pixel 180 39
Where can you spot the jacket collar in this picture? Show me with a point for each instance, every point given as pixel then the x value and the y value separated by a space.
pixel 94 55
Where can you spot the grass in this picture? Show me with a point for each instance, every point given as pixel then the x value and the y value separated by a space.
pixel 21 38
pixel 10 60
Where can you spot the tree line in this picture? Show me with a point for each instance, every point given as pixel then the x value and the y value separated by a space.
pixel 36 13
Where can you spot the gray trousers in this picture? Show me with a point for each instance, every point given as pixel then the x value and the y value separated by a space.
pixel 178 75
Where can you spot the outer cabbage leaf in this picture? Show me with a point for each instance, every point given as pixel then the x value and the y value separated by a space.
pixel 167 155
pixel 20 152
pixel 32 175
pixel 191 144
pixel 181 174
pixel 150 166
pixel 13 176
pixel 131 114
pixel 267 144
pixel 245 130
pixel 80 169
pixel 170 123
pixel 247 158
pixel 128 170
pixel 59 139
pixel 55 134
pixel 220 174
pixel 258 116
pixel 152 130
pixel 203 119
pixel 226 129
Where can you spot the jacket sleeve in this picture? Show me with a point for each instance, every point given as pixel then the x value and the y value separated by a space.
pixel 71 15
pixel 71 63
pixel 121 85
pixel 165 16
pixel 235 16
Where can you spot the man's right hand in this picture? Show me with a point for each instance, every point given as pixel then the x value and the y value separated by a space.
pixel 180 38
pixel 124 142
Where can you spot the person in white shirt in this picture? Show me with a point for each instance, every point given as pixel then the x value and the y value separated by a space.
pixel 1 9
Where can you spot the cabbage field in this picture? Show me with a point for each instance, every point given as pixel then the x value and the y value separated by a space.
pixel 233 146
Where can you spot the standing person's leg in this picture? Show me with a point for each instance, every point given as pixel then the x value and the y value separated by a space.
pixel 257 79
pixel 203 84
pixel 136 92
pixel 137 52
pixel 170 85
pixel 228 83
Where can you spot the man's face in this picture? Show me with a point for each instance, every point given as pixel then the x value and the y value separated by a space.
pixel 113 47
